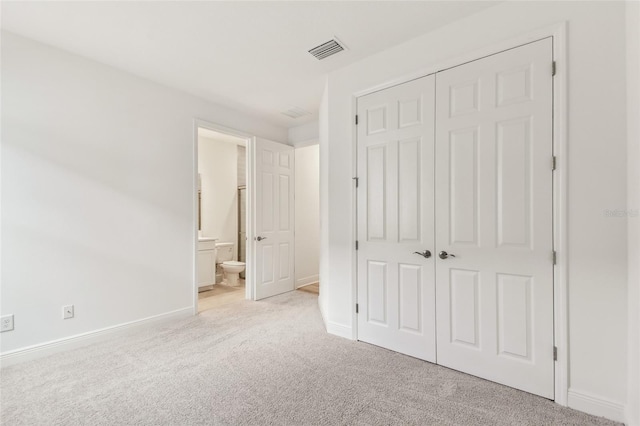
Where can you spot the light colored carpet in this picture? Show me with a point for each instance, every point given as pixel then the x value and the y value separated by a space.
pixel 258 363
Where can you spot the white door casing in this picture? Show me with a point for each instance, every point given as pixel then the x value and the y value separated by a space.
pixel 395 147
pixel 274 218
pixel 494 212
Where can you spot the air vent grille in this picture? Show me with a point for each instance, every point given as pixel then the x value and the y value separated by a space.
pixel 327 49
pixel 296 112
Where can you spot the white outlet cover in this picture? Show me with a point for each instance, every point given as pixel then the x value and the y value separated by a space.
pixel 6 323
pixel 67 312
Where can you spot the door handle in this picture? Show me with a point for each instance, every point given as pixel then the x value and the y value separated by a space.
pixel 444 255
pixel 260 238
pixel 426 254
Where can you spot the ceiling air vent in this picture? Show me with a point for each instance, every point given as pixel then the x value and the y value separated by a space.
pixel 296 112
pixel 327 49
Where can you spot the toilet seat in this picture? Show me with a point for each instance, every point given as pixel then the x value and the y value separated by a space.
pixel 233 263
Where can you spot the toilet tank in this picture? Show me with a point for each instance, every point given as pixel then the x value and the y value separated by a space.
pixel 225 252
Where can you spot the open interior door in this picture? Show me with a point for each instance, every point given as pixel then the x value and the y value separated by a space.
pixel 274 218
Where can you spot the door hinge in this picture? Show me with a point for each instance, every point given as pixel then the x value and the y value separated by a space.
pixel 553 162
pixel 554 256
pixel 553 68
pixel 555 353
pixel 357 181
pixel 356 119
pixel 356 244
pixel 357 308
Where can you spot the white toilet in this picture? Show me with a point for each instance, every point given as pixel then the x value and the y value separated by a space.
pixel 230 269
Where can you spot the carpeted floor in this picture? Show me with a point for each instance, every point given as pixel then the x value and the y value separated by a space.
pixel 258 363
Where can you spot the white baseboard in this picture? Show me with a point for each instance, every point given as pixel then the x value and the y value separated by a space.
pixel 301 282
pixel 596 405
pixel 339 330
pixel 333 327
pixel 72 342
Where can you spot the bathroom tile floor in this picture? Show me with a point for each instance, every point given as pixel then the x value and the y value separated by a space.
pixel 220 295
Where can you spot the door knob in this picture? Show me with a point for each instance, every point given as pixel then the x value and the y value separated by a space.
pixel 426 254
pixel 260 238
pixel 444 255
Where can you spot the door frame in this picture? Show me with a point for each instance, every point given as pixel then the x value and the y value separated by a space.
pixel 558 34
pixel 250 141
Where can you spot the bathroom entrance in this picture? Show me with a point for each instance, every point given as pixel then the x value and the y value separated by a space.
pixel 246 217
pixel 222 218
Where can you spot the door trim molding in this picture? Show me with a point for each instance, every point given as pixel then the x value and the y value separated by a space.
pixel 558 33
pixel 560 209
pixel 250 140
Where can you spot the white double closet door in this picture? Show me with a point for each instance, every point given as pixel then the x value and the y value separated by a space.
pixel 458 165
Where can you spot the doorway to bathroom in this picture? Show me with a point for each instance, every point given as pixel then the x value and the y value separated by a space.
pixel 222 218
pixel 256 214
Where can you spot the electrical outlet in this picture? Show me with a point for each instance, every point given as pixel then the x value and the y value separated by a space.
pixel 67 312
pixel 6 323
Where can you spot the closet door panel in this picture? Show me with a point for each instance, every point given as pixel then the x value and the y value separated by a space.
pixel 494 288
pixel 396 295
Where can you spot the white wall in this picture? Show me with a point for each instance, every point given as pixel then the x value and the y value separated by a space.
pixel 97 193
pixel 633 207
pixel 304 135
pixel 305 139
pixel 597 174
pixel 218 168
pixel 307 205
